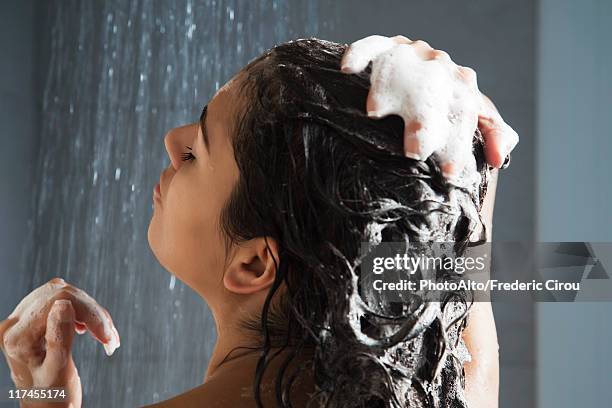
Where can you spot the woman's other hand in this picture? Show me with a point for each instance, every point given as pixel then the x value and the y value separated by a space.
pixel 439 100
pixel 36 338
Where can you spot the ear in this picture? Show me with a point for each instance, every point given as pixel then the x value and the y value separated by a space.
pixel 253 266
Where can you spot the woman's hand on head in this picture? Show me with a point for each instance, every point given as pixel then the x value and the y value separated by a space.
pixel 36 338
pixel 439 100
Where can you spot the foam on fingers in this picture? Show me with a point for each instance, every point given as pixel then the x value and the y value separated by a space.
pixel 435 93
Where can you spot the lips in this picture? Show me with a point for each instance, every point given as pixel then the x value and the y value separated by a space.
pixel 157 189
pixel 157 193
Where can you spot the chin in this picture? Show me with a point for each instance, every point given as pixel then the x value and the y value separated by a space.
pixel 153 237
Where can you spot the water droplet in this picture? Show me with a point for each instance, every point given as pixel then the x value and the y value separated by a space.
pixel 95 178
pixel 192 28
pixel 172 282
pixel 117 173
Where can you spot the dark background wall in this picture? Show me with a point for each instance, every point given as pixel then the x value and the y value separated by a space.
pixel 19 93
pixel 494 37
pixel 18 135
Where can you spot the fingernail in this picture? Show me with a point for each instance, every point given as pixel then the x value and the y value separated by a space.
pixel 505 155
pixel 117 336
pixel 111 346
pixel 511 141
pixel 506 162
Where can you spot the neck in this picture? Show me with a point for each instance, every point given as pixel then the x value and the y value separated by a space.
pixel 233 339
pixel 231 342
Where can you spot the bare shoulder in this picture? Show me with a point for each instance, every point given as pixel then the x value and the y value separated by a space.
pixel 234 387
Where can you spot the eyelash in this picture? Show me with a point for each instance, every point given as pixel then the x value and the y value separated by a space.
pixel 187 155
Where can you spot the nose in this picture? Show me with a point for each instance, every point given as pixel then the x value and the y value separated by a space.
pixel 177 140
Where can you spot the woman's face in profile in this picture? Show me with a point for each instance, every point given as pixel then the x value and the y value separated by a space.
pixel 184 232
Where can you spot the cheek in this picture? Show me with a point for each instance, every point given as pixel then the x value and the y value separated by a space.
pixel 184 232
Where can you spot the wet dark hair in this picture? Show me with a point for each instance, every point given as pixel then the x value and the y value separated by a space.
pixel 319 177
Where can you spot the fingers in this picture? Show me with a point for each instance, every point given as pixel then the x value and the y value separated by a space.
pixel 422 138
pixel 4 326
pixel 435 100
pixel 400 39
pixel 439 55
pixel 500 138
pixel 58 339
pixel 422 49
pixel 28 322
pixel 467 75
pixel 359 54
pixel 453 164
pixel 94 318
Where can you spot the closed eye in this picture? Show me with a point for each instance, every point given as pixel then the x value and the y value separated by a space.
pixel 187 155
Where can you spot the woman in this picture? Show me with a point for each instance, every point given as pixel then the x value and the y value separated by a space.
pixel 262 212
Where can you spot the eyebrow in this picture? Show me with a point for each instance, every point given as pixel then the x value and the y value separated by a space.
pixel 203 127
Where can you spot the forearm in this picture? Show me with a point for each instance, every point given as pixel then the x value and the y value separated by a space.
pixel 482 372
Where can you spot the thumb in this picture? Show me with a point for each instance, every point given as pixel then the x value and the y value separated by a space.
pixel 59 336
